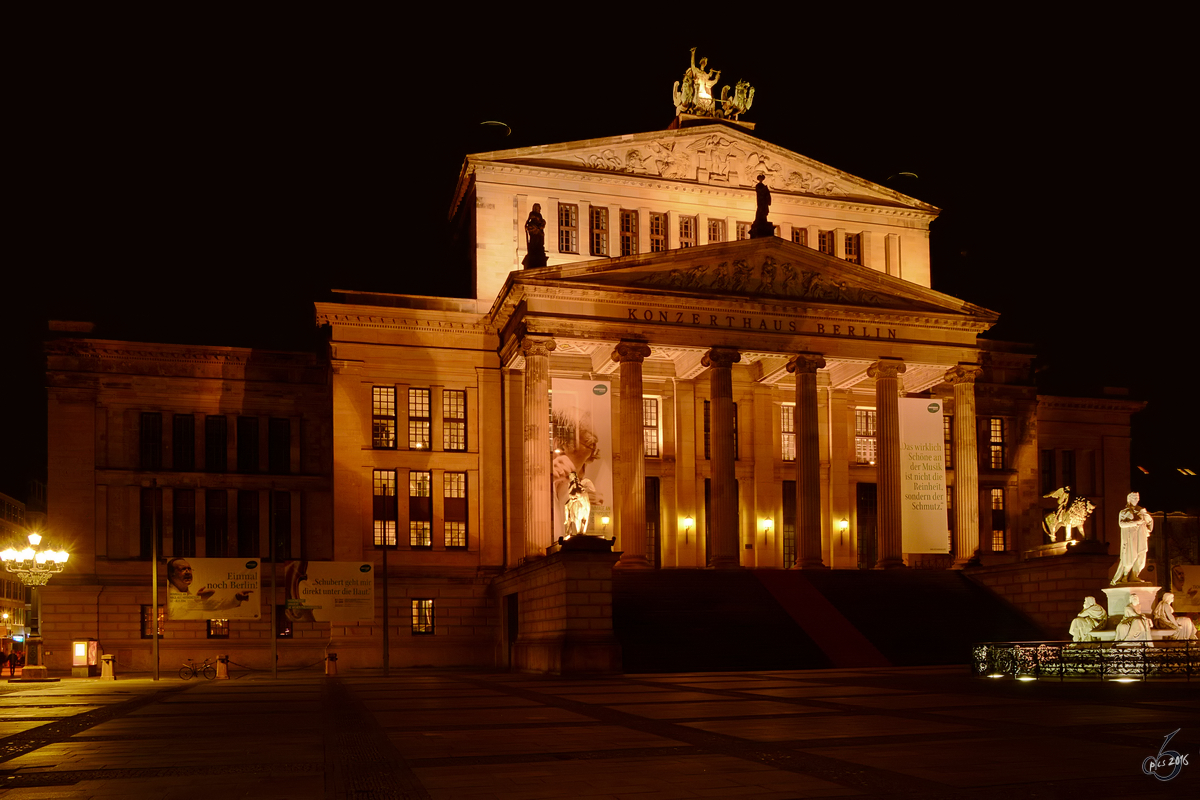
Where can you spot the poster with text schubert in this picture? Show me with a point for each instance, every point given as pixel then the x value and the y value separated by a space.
pixel 330 591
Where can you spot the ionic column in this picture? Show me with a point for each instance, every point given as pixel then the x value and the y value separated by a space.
pixel 538 518
pixel 723 526
pixel 633 455
pixel 966 463
pixel 808 461
pixel 886 372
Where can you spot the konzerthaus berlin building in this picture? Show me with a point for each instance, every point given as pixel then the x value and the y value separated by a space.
pixel 726 402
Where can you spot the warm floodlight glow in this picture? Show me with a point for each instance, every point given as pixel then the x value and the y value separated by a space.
pixel 688 522
pixel 1125 680
pixel 33 567
pixel 996 675
pixel 1026 678
pixel 35 539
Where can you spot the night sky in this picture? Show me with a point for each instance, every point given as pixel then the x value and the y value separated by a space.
pixel 209 187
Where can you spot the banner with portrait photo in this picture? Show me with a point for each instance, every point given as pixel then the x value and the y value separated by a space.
pixel 213 588
pixel 581 434
pixel 329 591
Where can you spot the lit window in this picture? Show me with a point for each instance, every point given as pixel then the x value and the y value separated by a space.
pixel 599 231
pixel 864 436
pixel 687 231
pixel 218 629
pixel 384 501
pixel 743 230
pixel 650 435
pixel 825 242
pixel 454 419
pixel 420 509
pixel 454 508
pixel 800 236
pixel 422 616
pixel 999 533
pixel 789 523
pixel 418 419
pixel 629 233
pixel 787 424
pixel 853 243
pixel 568 228
pixel 148 622
pixel 658 232
pixel 948 438
pixel 716 230
pixel 383 415
pixel 996 442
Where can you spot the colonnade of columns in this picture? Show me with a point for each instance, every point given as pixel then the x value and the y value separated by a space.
pixel 723 514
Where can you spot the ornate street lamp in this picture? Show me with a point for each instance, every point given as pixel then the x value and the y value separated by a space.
pixel 34 568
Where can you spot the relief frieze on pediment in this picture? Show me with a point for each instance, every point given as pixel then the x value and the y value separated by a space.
pixel 769 278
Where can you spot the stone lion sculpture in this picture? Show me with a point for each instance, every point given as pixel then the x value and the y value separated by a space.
pixel 1072 513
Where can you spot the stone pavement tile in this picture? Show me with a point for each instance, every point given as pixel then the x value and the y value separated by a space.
pixel 1062 714
pixel 476 717
pixel 44 711
pixel 509 741
pixel 402 704
pixel 9 727
pixel 825 727
pixel 580 691
pixel 665 696
pixel 826 691
pixel 650 778
pixel 1002 761
pixel 926 701
pixel 741 685
pixel 715 708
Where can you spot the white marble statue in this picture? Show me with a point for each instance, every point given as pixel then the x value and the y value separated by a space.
pixel 1136 525
pixel 1164 617
pixel 1134 626
pixel 1092 617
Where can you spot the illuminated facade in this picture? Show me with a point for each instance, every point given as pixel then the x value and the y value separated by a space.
pixel 754 391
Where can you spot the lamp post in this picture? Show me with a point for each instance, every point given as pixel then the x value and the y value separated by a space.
pixel 34 568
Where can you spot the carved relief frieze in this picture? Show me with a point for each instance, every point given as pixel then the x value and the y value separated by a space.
pixel 766 278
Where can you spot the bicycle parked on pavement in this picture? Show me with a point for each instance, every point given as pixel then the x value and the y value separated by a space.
pixel 193 669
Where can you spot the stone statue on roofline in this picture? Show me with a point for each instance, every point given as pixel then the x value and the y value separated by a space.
pixel 1136 525
pixel 535 239
pixel 696 93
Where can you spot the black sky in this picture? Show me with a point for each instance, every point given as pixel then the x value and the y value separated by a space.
pixel 206 183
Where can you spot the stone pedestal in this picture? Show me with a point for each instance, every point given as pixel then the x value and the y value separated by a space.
pixel 1118 597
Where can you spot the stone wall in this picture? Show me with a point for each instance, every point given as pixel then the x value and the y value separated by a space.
pixel 1049 590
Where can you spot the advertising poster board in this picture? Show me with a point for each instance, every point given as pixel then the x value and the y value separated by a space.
pixel 1185 583
pixel 213 588
pixel 924 524
pixel 581 417
pixel 330 591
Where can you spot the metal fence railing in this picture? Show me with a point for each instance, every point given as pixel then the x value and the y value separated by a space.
pixel 1087 660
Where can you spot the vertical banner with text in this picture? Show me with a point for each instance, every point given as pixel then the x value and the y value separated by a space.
pixel 581 434
pixel 924 522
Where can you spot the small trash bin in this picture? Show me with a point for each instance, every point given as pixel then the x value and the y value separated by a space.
pixel 108 667
pixel 331 665
pixel 222 667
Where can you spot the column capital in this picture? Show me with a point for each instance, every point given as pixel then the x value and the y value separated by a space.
pixel 721 357
pixel 887 368
pixel 537 346
pixel 806 362
pixel 963 373
pixel 631 351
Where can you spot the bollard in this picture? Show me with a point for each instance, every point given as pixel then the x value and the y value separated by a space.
pixel 331 665
pixel 222 667
pixel 108 670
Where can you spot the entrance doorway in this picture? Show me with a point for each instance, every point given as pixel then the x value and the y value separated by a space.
pixel 867 514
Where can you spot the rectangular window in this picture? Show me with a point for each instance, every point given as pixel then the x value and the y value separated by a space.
pixel 864 436
pixel 629 233
pixel 183 442
pixel 183 521
pixel 216 523
pixel 151 522
pixel 708 431
pixel 279 446
pixel 148 622
pixel 743 230
pixel 420 509
pixel 216 443
pixel 383 417
pixel 716 230
pixel 247 523
pixel 422 617
pixel 800 236
pixel 789 524
pixel 568 228
pixel 151 441
pixel 281 522
pixel 384 502
pixel 996 443
pixel 599 218
pixel 418 419
pixel 218 629
pixel 653 522
pixel 999 532
pixel 787 426
pixel 658 232
pixel 247 444
pixel 687 231
pixel 454 508
pixel 650 430
pixel 948 438
pixel 1046 466
pixel 1068 470
pixel 454 419
pixel 825 241
pixel 853 243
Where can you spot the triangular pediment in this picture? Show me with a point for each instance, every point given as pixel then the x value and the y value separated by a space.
pixel 761 270
pixel 713 155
